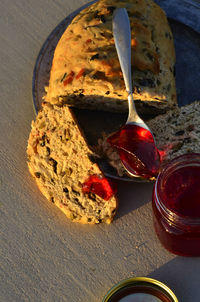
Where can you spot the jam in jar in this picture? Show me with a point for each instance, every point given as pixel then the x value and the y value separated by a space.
pixel 176 205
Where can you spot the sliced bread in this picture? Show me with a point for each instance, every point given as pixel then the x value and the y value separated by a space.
pixel 178 131
pixel 62 165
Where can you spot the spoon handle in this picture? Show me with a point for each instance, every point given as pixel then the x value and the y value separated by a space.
pixel 122 38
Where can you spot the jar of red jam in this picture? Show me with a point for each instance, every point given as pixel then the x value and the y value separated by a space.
pixel 176 205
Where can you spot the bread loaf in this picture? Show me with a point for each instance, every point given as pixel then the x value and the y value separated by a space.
pixel 86 71
pixel 63 167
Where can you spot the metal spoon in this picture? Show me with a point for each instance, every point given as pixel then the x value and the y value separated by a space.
pixel 122 38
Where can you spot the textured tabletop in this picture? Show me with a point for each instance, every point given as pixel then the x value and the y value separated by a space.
pixel 43 256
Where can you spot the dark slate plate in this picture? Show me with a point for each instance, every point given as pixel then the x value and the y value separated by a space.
pixel 184 19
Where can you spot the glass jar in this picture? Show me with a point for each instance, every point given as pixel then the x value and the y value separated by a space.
pixel 176 205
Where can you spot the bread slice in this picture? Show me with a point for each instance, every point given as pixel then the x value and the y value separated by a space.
pixel 61 163
pixel 176 132
pixel 86 71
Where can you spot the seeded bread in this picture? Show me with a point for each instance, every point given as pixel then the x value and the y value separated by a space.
pixel 176 132
pixel 59 160
pixel 86 71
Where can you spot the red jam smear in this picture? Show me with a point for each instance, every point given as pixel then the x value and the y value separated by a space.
pixel 137 150
pixel 180 194
pixel 100 186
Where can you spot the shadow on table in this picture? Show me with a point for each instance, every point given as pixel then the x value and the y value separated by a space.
pixel 182 275
pixel 133 195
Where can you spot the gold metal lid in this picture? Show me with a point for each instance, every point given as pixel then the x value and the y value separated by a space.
pixel 140 289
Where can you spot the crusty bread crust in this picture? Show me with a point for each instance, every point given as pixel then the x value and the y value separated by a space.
pixel 60 161
pixel 86 71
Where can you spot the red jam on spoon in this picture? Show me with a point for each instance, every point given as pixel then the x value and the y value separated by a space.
pixel 137 150
pixel 100 186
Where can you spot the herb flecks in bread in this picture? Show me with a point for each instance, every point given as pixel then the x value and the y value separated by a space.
pixel 86 70
pixel 178 131
pixel 60 161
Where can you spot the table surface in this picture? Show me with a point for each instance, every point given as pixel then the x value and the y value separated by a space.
pixel 44 256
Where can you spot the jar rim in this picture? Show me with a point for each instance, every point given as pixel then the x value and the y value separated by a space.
pixel 146 282
pixel 187 159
